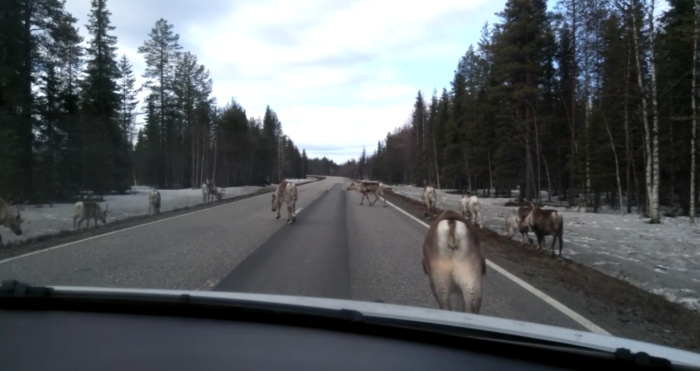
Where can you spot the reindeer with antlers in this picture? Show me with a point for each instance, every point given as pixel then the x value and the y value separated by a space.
pixel 10 219
pixel 86 210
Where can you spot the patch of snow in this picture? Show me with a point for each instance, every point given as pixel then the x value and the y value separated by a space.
pixel 607 240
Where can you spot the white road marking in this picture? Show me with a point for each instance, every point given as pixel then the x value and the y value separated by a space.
pixel 130 228
pixel 548 299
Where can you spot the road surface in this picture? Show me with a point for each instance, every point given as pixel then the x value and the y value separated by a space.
pixel 336 249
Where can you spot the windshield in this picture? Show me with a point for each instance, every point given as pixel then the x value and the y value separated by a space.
pixel 526 160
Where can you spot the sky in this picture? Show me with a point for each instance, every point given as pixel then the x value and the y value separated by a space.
pixel 339 74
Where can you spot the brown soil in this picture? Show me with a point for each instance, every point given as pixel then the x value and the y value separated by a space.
pixel 613 304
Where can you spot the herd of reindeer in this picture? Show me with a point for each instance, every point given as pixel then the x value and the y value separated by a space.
pixel 91 210
pixel 452 255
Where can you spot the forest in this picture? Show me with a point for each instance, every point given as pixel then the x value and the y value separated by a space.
pixel 69 109
pixel 594 98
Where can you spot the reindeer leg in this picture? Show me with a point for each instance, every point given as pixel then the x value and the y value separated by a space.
pixel 440 282
pixel 554 241
pixel 468 279
pixel 375 199
pixel 290 213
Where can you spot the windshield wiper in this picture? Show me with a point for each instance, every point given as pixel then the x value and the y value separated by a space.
pixel 640 358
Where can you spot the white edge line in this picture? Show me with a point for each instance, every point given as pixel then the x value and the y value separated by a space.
pixel 124 230
pixel 548 299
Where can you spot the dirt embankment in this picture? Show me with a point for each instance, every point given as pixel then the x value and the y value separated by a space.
pixel 615 305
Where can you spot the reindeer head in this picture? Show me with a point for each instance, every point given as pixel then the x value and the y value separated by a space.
pixel 275 204
pixel 511 222
pixel 353 186
pixel 103 215
pixel 14 222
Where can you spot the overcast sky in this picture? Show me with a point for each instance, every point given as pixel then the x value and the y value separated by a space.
pixel 339 74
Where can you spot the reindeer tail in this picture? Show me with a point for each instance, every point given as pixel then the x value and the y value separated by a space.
pixel 452 242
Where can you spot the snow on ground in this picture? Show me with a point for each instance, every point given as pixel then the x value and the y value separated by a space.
pixel 42 219
pixel 661 258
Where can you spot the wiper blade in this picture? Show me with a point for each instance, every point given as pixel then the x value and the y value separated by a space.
pixel 16 289
pixel 640 358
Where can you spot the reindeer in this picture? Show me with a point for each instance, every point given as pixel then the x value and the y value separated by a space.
pixel 515 223
pixel 469 205
pixel 454 262
pixel 86 210
pixel 429 196
pixel 366 187
pixel 10 219
pixel 209 191
pixel 546 223
pixel 154 201
pixel 285 192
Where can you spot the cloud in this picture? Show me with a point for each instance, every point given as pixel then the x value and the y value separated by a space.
pixel 340 75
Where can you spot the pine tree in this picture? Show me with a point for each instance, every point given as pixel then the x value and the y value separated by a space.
pixel 518 60
pixel 127 99
pixel 106 166
pixel 160 52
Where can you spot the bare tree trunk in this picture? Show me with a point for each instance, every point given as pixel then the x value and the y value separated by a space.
pixel 654 214
pixel 437 169
pixel 488 157
pixel 204 152
pixel 628 150
pixel 193 171
pixel 645 118
pixel 213 175
pixel 617 164
pixel 539 153
pixel 529 174
pixel 586 120
pixel 572 122
pixel 694 115
pixel 549 179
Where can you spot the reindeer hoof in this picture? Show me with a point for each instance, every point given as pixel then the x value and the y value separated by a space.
pixel 277 217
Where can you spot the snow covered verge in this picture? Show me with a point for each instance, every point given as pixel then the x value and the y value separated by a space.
pixel 660 258
pixel 42 220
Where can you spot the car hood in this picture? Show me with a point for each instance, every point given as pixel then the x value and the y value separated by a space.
pixel 606 343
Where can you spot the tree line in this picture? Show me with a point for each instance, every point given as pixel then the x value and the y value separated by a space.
pixel 68 113
pixel 595 97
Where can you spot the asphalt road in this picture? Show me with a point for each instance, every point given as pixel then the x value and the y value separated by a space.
pixel 336 249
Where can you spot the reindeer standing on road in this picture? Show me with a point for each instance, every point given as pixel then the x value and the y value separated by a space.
pixel 454 262
pixel 429 197
pixel 285 192
pixel 366 187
